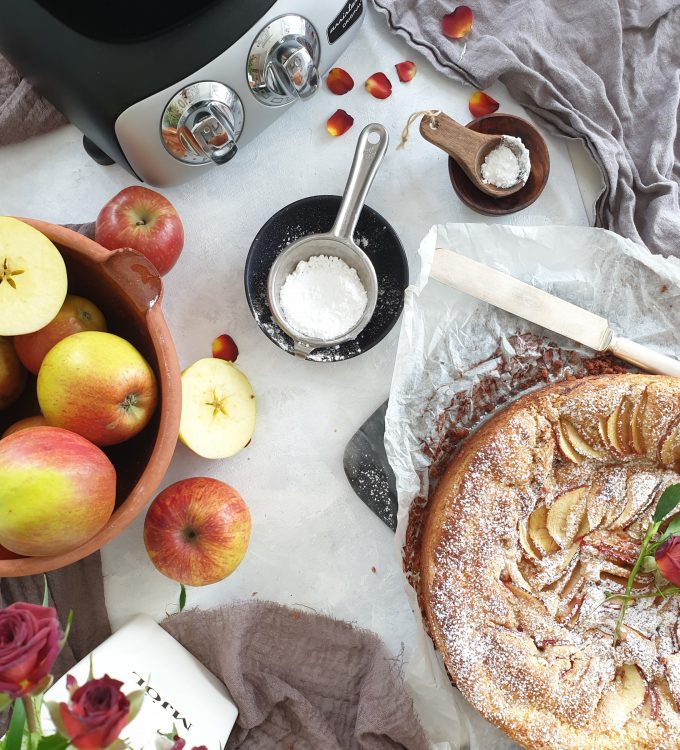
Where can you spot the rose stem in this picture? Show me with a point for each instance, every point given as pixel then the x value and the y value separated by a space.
pixel 653 528
pixel 29 708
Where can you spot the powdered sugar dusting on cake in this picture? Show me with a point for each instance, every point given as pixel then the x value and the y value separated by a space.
pixel 537 526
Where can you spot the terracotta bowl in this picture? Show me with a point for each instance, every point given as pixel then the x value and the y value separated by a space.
pixel 128 290
pixel 500 124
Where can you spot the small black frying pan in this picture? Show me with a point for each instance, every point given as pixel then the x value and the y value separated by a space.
pixel 316 215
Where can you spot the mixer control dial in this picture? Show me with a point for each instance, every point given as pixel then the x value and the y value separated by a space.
pixel 202 123
pixel 283 62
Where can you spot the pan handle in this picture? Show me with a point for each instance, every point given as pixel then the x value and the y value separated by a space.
pixel 367 158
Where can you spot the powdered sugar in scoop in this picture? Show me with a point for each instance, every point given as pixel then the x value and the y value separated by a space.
pixel 507 164
pixel 323 297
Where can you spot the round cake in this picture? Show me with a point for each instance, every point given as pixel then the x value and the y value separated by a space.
pixel 533 527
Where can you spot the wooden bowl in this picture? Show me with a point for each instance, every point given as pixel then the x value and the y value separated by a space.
pixel 499 124
pixel 128 290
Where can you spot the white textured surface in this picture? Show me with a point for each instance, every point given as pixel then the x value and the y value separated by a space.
pixel 314 543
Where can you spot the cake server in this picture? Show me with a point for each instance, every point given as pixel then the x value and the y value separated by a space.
pixel 546 310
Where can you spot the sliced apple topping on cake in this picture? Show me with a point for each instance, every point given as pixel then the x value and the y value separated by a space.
pixel 538 531
pixel 565 515
pixel 626 694
pixel 669 447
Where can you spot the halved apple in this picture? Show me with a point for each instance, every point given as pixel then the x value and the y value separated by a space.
pixel 538 531
pixel 578 443
pixel 218 408
pixel 32 278
pixel 565 515
pixel 566 447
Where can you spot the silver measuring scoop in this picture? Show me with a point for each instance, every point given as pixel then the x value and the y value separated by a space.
pixel 370 150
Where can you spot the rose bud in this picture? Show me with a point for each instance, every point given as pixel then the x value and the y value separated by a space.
pixel 30 639
pixel 668 559
pixel 96 713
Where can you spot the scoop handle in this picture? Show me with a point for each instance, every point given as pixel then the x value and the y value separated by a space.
pixel 367 158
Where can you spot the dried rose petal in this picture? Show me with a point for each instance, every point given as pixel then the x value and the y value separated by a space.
pixel 405 70
pixel 339 81
pixel 457 24
pixel 482 104
pixel 339 122
pixel 224 347
pixel 379 86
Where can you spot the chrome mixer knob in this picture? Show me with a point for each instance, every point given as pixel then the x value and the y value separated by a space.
pixel 202 123
pixel 283 62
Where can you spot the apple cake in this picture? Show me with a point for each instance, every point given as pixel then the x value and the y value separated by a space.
pixel 535 523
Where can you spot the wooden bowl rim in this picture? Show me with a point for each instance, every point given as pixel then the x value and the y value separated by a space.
pixel 521 204
pixel 168 427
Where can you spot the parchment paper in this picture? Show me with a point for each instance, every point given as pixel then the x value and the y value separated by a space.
pixel 446 334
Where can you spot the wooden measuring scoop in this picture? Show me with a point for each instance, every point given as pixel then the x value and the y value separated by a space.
pixel 469 149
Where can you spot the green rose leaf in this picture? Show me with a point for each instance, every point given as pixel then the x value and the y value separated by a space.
pixel 182 596
pixel 5 701
pixel 136 699
pixel 669 499
pixel 15 732
pixel 53 742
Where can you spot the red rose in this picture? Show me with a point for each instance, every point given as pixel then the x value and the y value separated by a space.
pixel 95 715
pixel 667 558
pixel 30 638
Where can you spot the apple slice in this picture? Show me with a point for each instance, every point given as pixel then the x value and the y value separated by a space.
pixel 32 278
pixel 526 543
pixel 566 447
pixel 565 515
pixel 669 446
pixel 627 694
pixel 578 443
pixel 636 419
pixel 623 426
pixel 218 408
pixel 602 429
pixel 612 436
pixel 673 678
pixel 538 531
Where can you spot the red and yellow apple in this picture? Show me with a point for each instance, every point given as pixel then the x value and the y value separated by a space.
pixel 76 314
pixel 25 424
pixel 218 408
pixel 145 221
pixel 98 385
pixel 57 491
pixel 32 278
pixel 12 374
pixel 197 531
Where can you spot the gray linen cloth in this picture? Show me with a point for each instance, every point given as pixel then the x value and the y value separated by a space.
pixel 600 70
pixel 301 681
pixel 23 112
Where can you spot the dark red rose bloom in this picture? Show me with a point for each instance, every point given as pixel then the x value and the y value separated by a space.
pixel 179 743
pixel 667 559
pixel 29 643
pixel 96 714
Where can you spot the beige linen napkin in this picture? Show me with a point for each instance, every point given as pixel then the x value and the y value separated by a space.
pixel 301 681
